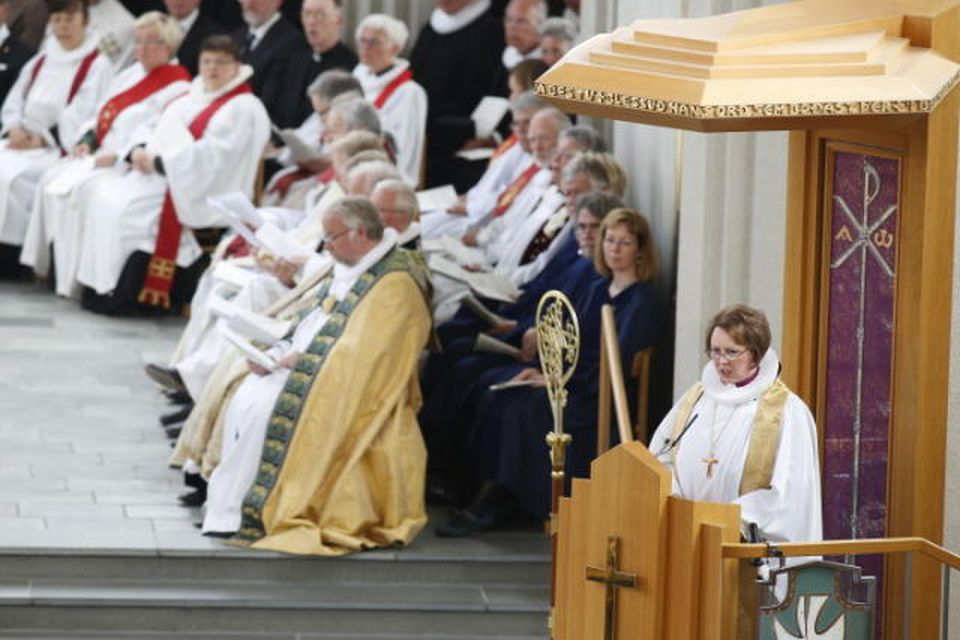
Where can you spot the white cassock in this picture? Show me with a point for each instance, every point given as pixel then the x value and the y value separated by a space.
pixel 55 217
pixel 123 212
pixel 39 110
pixel 248 412
pixel 481 199
pixel 549 215
pixel 403 115
pixel 114 24
pixel 790 509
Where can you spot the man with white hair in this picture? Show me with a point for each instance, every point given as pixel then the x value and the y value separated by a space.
pixel 303 471
pixel 268 42
pixel 388 84
pixel 399 210
pixel 521 28
pixel 362 178
pixel 286 88
pixel 557 35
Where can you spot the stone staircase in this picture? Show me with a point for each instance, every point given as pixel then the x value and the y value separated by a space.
pixel 494 586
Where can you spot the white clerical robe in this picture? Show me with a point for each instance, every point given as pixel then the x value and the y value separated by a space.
pixel 55 217
pixel 491 235
pixel 247 414
pixel 41 110
pixel 509 248
pixel 403 115
pixel 114 25
pixel 123 212
pixel 786 512
pixel 481 199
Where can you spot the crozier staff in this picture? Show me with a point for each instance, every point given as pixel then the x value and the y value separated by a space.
pixel 740 435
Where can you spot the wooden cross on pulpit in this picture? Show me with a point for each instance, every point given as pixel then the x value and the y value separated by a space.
pixel 611 576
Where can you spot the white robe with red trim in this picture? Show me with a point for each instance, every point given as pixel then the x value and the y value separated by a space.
pixel 123 212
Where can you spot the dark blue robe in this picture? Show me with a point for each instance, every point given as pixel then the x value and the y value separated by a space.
pixel 507 434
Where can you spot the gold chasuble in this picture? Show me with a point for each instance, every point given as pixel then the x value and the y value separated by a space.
pixel 343 464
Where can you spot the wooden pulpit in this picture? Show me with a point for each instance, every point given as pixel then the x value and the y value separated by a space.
pixel 868 90
pixel 631 557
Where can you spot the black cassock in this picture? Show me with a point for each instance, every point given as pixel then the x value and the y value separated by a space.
pixel 13 55
pixel 271 57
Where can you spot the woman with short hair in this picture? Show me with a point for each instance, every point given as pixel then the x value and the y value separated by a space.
pixel 740 435
pixel 388 84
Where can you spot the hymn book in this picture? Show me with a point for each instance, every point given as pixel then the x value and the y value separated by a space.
pixel 300 151
pixel 471 302
pixel 249 350
pixel 437 199
pixel 487 284
pixel 489 344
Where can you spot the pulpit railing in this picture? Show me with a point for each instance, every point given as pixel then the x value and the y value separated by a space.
pixel 715 551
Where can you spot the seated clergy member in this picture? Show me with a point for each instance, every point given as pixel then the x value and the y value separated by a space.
pixel 303 470
pixel 221 130
pixel 195 26
pixel 286 89
pixel 14 53
pixel 557 35
pixel 57 92
pixel 399 210
pixel 509 426
pixel 521 28
pixel 388 84
pixel 715 439
pixel 137 96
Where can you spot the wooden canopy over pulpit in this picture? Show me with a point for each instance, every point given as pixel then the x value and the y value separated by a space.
pixel 868 90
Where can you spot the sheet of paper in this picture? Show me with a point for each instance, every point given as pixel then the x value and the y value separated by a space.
pixel 72 175
pixel 431 245
pixel 461 253
pixel 230 274
pixel 282 245
pixel 513 384
pixel 256 326
pixel 251 352
pixel 438 198
pixel 300 150
pixel 488 285
pixel 483 153
pixel 489 344
pixel 171 136
pixel 488 114
pixel 239 205
pixel 235 222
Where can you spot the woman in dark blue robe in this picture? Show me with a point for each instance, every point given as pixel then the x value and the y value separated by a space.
pixel 509 456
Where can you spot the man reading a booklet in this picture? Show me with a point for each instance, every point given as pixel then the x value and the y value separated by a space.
pixel 321 452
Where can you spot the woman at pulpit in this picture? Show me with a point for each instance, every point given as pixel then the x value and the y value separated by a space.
pixel 741 436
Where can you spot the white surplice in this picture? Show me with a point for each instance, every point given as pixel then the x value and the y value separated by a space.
pixel 55 218
pixel 123 212
pixel 403 115
pixel 249 410
pixel 481 199
pixel 721 424
pixel 41 110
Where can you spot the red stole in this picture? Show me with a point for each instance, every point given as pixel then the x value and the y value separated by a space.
pixel 157 79
pixel 78 77
pixel 508 195
pixel 160 271
pixel 505 146
pixel 388 90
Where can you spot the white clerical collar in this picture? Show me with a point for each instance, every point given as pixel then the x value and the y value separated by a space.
pixel 722 393
pixel 512 56
pixel 197 91
pixel 445 23
pixel 56 52
pixel 187 23
pixel 373 83
pixel 260 31
pixel 345 275
pixel 412 232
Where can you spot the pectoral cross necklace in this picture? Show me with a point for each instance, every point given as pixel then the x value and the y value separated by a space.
pixel 711 460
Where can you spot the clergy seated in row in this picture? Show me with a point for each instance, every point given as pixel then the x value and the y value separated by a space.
pixel 197 449
pixel 498 434
pixel 511 166
pixel 521 30
pixel 14 52
pixel 284 91
pixel 195 26
pixel 140 226
pixel 557 36
pixel 456 60
pixel 311 161
pixel 56 94
pixel 713 440
pixel 571 271
pixel 268 44
pixel 124 119
pixel 322 453
pixel 114 26
pixel 389 86
pixel 254 280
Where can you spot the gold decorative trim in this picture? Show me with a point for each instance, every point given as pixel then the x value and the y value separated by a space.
pixel 742 111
